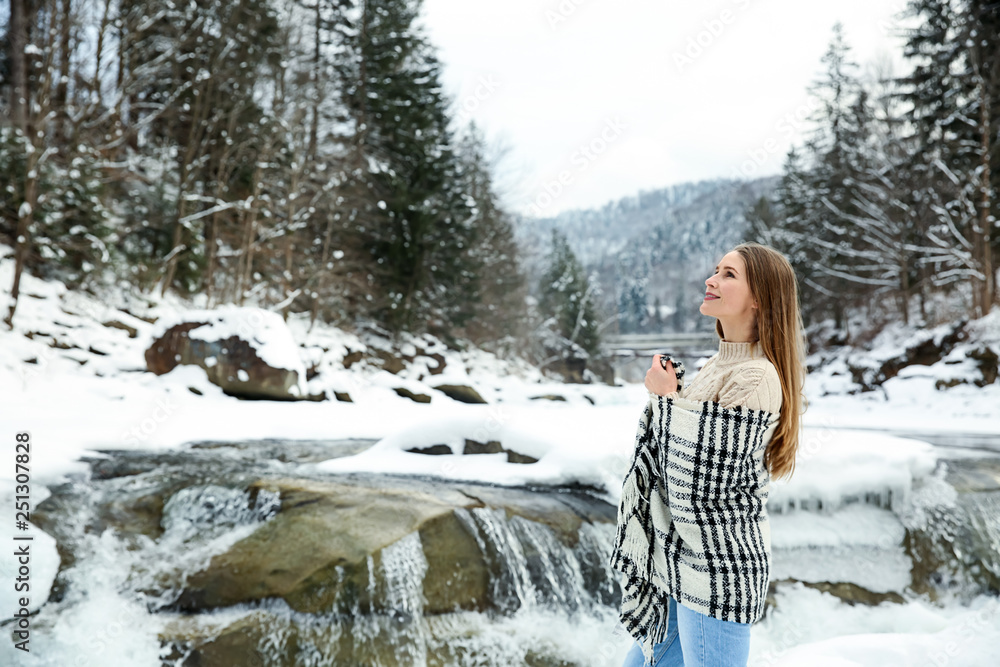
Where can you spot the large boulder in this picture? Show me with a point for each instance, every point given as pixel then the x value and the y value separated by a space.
pixel 248 352
pixel 325 549
pixel 314 553
pixel 368 562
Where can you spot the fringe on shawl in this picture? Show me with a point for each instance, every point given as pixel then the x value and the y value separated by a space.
pixel 645 607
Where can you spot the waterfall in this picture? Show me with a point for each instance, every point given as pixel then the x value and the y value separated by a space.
pixel 133 540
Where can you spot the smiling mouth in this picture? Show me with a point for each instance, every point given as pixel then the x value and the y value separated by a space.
pixel 710 297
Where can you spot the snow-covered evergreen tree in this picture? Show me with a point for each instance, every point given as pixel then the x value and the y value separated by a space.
pixel 500 316
pixel 403 186
pixel 954 93
pixel 568 300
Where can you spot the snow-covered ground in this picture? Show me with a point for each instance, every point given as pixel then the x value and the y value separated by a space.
pixel 92 392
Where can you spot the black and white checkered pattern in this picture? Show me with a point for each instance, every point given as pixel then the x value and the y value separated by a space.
pixel 692 523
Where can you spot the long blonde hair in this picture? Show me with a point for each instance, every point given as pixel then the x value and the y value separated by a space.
pixel 780 331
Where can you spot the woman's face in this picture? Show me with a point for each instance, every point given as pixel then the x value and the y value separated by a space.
pixel 729 284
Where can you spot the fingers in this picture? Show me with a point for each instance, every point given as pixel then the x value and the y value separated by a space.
pixel 658 363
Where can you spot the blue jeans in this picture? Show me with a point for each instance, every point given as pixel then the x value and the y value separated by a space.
pixel 696 640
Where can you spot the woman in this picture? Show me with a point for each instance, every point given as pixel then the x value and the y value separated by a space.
pixel 693 536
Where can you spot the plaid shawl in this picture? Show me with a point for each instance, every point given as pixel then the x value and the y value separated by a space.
pixel 692 523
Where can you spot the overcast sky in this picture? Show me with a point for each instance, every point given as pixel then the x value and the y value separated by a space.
pixel 599 99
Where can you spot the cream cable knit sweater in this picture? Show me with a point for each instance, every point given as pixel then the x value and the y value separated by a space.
pixel 738 374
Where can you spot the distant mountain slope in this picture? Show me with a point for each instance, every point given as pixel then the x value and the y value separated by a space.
pixel 662 243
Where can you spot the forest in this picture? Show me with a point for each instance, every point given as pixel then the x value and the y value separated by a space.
pixel 303 156
pixel 300 155
pixel 892 198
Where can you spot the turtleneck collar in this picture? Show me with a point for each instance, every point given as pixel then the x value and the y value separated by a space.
pixel 734 352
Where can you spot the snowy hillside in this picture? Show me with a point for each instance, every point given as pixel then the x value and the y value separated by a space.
pixel 73 375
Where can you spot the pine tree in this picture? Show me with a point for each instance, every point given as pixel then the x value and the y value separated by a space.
pixel 821 217
pixel 798 208
pixel 633 308
pixel 632 271
pixel 885 233
pixel 568 298
pixel 981 37
pixel 954 91
pixel 404 188
pixel 835 170
pixel 499 319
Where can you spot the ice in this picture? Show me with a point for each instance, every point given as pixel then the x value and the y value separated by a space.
pixel 839 466
pixel 858 544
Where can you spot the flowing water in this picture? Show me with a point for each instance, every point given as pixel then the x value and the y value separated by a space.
pixel 134 533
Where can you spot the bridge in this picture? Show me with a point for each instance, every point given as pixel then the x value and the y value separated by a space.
pixel 660 341
pixel 630 354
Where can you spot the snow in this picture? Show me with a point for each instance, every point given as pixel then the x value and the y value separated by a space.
pixel 573 440
pixel 589 450
pixel 594 448
pixel 808 627
pixel 911 400
pixel 859 544
pixel 93 392
pixel 265 330
pixel 835 465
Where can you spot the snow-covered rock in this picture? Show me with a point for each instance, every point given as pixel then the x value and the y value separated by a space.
pixel 249 352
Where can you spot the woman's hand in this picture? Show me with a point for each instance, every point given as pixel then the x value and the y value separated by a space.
pixel 659 380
